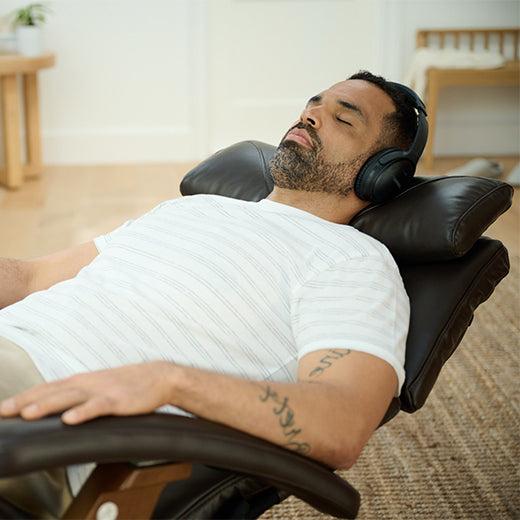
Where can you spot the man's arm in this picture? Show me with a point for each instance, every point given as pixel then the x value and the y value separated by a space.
pixel 329 414
pixel 339 400
pixel 19 278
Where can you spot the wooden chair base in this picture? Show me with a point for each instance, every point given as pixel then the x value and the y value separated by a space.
pixel 124 491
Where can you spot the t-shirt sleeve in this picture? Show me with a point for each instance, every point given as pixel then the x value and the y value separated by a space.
pixel 358 304
pixel 103 240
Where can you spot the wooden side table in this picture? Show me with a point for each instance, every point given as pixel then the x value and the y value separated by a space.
pixel 12 65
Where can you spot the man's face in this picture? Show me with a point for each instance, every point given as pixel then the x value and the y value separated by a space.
pixel 338 131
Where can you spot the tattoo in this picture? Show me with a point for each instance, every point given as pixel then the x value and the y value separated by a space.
pixel 327 361
pixel 285 414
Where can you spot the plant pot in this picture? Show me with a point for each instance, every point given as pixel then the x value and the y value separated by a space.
pixel 29 39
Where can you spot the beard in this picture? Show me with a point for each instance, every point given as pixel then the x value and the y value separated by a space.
pixel 296 167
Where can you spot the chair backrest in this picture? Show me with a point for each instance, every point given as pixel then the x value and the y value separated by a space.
pixel 433 229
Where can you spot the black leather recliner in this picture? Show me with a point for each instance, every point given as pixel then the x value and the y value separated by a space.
pixel 433 229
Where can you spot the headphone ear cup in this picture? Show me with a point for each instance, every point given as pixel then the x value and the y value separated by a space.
pixel 384 176
pixel 390 171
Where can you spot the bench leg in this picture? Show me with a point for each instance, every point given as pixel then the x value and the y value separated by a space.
pixel 12 175
pixel 32 125
pixel 432 101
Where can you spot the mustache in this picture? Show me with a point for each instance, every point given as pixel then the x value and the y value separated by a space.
pixel 313 135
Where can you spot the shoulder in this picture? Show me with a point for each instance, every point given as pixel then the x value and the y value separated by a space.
pixel 204 203
pixel 350 249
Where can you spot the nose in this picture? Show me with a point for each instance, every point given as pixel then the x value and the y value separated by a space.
pixel 311 116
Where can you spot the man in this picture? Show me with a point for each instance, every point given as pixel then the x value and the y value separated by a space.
pixel 269 317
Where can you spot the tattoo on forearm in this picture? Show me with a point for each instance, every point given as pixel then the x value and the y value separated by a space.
pixel 285 414
pixel 327 361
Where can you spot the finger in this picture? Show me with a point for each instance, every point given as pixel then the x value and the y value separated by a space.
pixel 90 409
pixel 9 407
pixel 53 402
pixel 14 405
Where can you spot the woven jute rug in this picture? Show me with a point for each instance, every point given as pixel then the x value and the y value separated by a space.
pixel 458 457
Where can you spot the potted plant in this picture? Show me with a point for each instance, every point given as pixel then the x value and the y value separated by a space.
pixel 28 31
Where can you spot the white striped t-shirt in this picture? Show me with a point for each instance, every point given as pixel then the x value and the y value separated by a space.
pixel 236 287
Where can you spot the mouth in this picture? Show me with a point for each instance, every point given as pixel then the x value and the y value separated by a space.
pixel 299 136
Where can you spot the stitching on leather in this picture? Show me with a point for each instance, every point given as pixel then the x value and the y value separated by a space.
pixel 474 207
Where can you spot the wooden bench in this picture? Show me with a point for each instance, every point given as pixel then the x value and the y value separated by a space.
pixel 504 41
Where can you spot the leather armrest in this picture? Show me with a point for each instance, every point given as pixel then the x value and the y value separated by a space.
pixel 27 446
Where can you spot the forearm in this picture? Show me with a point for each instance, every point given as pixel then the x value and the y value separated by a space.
pixel 309 418
pixel 15 278
pixel 19 278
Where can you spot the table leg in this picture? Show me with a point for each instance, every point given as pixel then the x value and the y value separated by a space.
pixel 432 102
pixel 12 176
pixel 32 125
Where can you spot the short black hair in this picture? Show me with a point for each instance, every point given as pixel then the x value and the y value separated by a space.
pixel 400 126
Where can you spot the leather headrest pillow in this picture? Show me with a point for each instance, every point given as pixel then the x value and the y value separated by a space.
pixel 436 218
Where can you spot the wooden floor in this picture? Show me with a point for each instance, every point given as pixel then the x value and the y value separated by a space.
pixel 69 205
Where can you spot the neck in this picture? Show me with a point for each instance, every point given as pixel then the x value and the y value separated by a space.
pixel 339 209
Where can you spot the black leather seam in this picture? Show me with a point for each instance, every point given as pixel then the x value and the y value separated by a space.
pixel 265 163
pixel 474 207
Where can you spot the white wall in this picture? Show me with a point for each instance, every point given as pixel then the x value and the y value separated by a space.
pixel 124 87
pixel 173 80
pixel 266 58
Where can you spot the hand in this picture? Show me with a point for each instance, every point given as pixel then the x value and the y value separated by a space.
pixel 128 390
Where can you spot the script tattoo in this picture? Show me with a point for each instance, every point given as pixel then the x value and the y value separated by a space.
pixel 327 361
pixel 285 415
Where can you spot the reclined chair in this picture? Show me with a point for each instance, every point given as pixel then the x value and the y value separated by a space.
pixel 180 467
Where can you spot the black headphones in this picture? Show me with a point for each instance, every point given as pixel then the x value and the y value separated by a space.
pixel 390 171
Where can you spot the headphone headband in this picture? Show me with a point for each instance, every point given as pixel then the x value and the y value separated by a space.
pixel 421 134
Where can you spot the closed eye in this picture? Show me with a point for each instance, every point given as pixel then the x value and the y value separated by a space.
pixel 343 121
